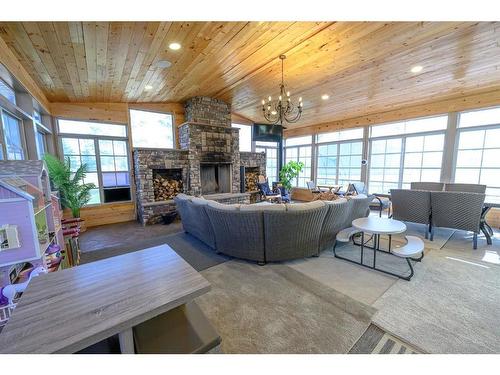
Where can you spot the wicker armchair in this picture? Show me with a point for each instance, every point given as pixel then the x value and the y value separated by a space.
pixel 466 188
pixel 457 210
pixel 429 186
pixel 413 206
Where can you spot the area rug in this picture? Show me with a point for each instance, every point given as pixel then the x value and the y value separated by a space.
pixel 377 341
pixel 275 309
pixel 441 236
pixel 193 251
pixel 360 283
pixel 450 306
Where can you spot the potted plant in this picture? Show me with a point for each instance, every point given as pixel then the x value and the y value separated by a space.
pixel 288 172
pixel 74 192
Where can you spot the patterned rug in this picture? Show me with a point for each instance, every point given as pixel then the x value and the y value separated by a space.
pixel 377 341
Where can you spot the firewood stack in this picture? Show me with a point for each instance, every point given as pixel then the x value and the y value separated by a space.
pixel 165 188
pixel 251 179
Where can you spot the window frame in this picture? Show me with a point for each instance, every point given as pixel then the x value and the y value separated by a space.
pixel 318 144
pixel 22 135
pixel 99 171
pixel 257 148
pixel 456 149
pixel 130 135
pixel 403 138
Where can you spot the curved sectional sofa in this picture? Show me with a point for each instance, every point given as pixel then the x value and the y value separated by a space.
pixel 269 232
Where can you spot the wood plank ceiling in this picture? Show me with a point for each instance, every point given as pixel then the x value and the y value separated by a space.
pixel 363 66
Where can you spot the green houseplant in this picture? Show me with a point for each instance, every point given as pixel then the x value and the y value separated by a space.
pixel 74 192
pixel 288 172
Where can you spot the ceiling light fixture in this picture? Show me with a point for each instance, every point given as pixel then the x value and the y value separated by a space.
pixel 174 46
pixel 282 109
pixel 325 96
pixel 417 69
pixel 163 64
pixel 148 88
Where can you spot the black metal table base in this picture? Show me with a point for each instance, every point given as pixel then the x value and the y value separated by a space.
pixel 376 248
pixel 484 226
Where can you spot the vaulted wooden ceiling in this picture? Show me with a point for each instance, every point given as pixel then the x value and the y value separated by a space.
pixel 363 66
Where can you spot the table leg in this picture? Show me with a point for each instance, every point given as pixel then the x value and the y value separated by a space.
pixel 377 240
pixel 126 339
pixel 362 245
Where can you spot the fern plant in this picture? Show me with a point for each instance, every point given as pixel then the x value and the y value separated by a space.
pixel 288 172
pixel 74 192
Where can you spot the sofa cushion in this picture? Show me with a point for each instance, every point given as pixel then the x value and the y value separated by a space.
pixel 262 207
pixel 225 207
pixel 304 206
pixel 199 201
pixel 183 197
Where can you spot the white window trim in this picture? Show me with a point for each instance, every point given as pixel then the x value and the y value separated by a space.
pixel 131 135
pixel 96 139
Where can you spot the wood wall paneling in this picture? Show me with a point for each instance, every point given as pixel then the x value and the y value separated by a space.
pixel 475 101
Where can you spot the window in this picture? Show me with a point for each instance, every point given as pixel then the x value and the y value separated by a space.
pixel 106 158
pixel 92 128
pixel 300 149
pixel 422 159
pixel 400 153
pixel 79 151
pixel 339 160
pixel 36 116
pixel 385 163
pixel 152 129
pixel 12 137
pixel 245 137
pixel 7 91
pixel 478 151
pixel 271 150
pixel 421 125
pixel 41 146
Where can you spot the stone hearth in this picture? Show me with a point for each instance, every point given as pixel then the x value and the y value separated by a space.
pixel 207 138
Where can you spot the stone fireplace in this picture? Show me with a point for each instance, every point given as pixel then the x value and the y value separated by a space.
pixel 207 163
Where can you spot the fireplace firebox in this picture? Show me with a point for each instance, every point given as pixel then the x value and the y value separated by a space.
pixel 215 178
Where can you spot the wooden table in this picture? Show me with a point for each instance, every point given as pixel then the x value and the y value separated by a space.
pixel 67 311
pixel 332 188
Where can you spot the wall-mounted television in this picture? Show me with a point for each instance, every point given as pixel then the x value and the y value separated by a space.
pixel 267 133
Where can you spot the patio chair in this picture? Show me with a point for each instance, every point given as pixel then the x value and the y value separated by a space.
pixel 429 186
pixel 378 203
pixel 466 188
pixel 457 210
pixel 265 191
pixel 413 206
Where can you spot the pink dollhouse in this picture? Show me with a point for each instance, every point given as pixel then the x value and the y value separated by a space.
pixel 31 238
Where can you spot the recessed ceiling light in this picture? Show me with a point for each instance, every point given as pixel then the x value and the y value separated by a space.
pixel 417 69
pixel 163 64
pixel 325 96
pixel 148 88
pixel 175 46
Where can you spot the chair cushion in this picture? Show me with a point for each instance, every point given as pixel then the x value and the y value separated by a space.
pixel 264 187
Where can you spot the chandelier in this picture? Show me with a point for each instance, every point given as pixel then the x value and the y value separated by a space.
pixel 282 110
